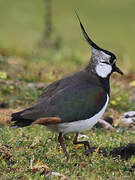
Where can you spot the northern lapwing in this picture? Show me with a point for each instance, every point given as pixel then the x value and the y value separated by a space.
pixel 75 103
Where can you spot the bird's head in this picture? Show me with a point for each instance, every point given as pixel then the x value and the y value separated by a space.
pixel 103 62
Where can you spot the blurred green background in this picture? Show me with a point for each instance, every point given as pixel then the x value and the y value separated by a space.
pixel 111 24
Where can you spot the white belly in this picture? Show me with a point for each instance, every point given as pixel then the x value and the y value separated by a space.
pixel 78 126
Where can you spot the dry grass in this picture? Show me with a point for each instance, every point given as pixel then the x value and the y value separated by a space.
pixel 5 115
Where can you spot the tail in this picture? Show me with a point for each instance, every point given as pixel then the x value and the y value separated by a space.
pixel 19 121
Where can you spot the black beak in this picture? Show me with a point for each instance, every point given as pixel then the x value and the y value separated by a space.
pixel 116 69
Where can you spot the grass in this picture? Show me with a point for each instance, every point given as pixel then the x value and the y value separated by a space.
pixel 24 148
pixel 33 152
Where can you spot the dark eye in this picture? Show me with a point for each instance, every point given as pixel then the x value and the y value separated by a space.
pixel 112 60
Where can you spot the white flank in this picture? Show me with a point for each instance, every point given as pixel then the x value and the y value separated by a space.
pixel 78 126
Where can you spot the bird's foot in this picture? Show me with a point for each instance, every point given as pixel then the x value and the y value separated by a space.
pixel 96 150
pixel 85 143
pixel 67 157
pixel 60 139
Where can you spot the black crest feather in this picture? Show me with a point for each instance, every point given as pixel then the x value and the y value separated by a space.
pixel 90 41
pixel 86 35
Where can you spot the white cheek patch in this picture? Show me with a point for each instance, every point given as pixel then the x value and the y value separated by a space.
pixel 103 70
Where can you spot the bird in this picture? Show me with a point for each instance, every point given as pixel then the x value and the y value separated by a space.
pixel 74 103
